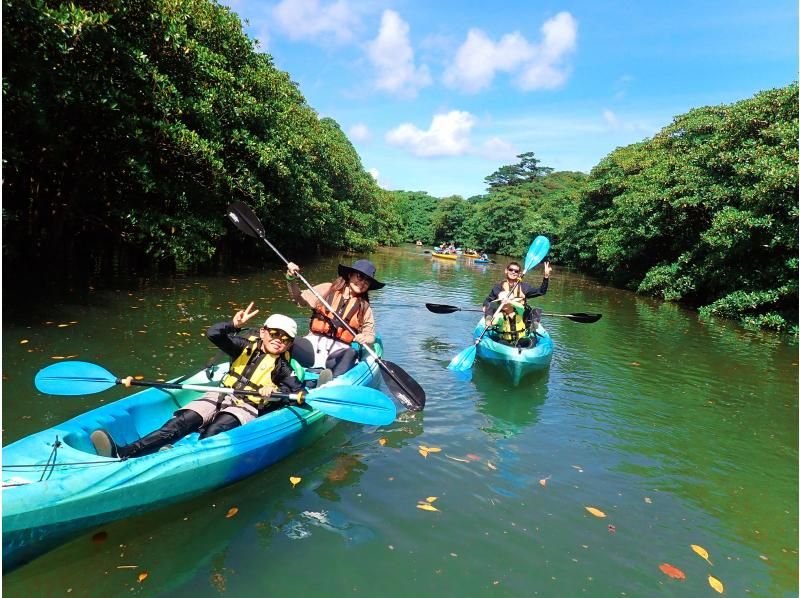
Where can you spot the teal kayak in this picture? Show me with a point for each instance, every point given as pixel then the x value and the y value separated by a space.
pixel 518 362
pixel 55 485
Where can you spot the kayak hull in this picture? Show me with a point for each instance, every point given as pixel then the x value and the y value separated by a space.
pixel 45 505
pixel 445 256
pixel 517 362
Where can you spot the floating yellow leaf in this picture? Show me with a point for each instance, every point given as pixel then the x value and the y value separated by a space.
pixel 432 498
pixel 24 341
pixel 142 576
pixel 543 482
pixel 231 512
pixel 139 377
pixel 671 571
pixel 382 442
pixel 716 584
pixel 426 507
pixel 433 449
pixel 63 325
pixel 57 357
pixel 595 512
pixel 294 481
pixel 423 452
pixel 701 551
pixel 490 465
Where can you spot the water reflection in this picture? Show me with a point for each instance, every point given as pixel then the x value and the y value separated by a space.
pixel 508 409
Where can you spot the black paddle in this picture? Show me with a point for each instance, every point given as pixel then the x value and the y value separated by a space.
pixel 582 317
pixel 401 385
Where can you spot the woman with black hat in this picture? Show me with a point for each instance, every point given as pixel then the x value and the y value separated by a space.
pixel 348 295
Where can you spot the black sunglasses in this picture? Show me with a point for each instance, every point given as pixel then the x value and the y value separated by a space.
pixel 513 270
pixel 277 334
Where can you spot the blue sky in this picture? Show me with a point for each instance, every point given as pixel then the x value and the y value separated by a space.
pixel 436 95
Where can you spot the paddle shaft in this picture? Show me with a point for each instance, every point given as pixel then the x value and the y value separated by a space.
pixel 218 389
pixel 321 299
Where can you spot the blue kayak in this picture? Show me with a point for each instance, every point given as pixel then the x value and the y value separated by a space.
pixel 518 362
pixel 55 485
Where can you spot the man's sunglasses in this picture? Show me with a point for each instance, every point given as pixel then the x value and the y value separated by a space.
pixel 277 334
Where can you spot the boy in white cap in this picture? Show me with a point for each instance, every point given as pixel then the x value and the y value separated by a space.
pixel 262 363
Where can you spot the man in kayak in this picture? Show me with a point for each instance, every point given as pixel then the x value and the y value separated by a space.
pixel 522 291
pixel 262 363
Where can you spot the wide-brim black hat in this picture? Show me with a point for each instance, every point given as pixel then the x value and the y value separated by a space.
pixel 365 268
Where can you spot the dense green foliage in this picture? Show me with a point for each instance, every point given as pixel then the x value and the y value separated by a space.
pixel 705 212
pixel 133 123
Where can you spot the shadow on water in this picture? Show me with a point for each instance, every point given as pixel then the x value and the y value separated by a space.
pixel 509 409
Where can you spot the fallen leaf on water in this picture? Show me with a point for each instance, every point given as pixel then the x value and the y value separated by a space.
pixel 472 457
pixel 142 576
pixel 423 452
pixel 63 325
pixel 429 449
pixel 635 363
pixel 432 498
pixel 648 500
pixel 595 512
pixel 701 551
pixel 716 584
pixel 382 441
pixel 138 377
pixel 490 465
pixel 57 357
pixel 231 512
pixel 671 571
pixel 612 529
pixel 543 481
pixel 457 459
pixel 426 507
pixel 294 481
pixel 24 341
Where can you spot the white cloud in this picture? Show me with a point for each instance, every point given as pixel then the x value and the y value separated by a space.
pixel 498 149
pixel 307 19
pixel 537 66
pixel 448 135
pixel 359 132
pixel 393 57
pixel 375 173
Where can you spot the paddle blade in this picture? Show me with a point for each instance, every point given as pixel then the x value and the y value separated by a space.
pixel 536 252
pixel 402 386
pixel 72 378
pixel 464 360
pixel 245 219
pixel 360 404
pixel 438 308
pixel 584 318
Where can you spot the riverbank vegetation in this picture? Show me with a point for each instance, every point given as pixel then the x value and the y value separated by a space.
pixel 705 212
pixel 130 125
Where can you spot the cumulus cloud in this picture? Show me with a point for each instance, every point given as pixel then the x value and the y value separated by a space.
pixel 448 135
pixel 359 132
pixel 535 66
pixel 375 173
pixel 393 57
pixel 310 20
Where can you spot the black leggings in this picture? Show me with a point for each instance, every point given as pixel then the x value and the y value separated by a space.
pixel 341 361
pixel 184 422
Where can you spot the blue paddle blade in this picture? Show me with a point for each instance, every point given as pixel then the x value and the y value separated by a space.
pixel 464 360
pixel 72 378
pixel 536 252
pixel 360 404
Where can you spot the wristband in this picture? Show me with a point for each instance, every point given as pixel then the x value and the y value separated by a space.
pixel 290 278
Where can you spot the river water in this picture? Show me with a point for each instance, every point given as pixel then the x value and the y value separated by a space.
pixel 680 432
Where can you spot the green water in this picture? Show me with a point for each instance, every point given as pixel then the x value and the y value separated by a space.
pixel 681 432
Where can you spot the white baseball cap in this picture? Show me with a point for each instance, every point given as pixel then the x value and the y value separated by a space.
pixel 282 322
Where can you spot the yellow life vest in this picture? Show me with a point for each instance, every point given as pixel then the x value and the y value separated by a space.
pixel 258 374
pixel 517 291
pixel 512 328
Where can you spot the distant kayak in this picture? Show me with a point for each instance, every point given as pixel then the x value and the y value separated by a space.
pixel 517 362
pixel 481 261
pixel 445 256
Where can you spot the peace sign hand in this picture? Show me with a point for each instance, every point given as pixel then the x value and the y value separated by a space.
pixel 243 316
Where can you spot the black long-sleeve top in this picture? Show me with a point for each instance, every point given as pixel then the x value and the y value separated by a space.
pixel 223 335
pixel 527 290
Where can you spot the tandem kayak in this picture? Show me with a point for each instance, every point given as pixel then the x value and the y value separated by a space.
pixel 445 256
pixel 517 362
pixel 55 485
